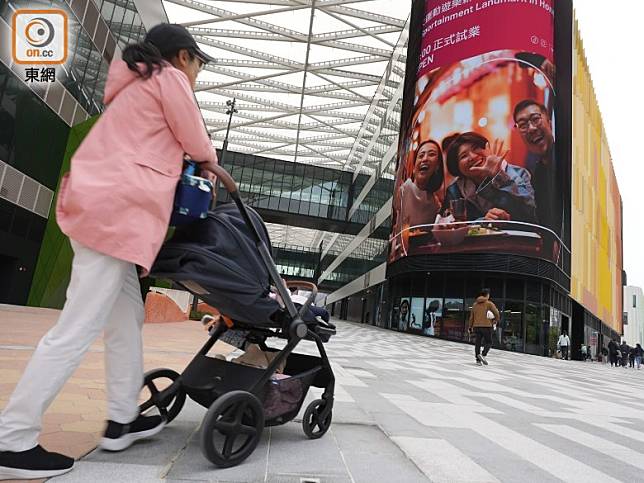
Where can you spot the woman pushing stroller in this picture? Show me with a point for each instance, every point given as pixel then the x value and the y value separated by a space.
pixel 114 205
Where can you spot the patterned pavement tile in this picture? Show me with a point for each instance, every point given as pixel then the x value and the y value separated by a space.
pixel 522 418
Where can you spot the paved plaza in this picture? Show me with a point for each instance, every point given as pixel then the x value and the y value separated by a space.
pixel 407 409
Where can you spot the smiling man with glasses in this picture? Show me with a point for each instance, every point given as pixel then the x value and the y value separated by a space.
pixel 533 123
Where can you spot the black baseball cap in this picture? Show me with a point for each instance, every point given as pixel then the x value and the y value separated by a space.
pixel 171 37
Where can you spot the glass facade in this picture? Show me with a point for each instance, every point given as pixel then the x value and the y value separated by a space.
pixel 124 21
pixel 300 189
pixel 86 71
pixel 366 256
pixel 375 199
pixel 90 51
pixel 296 263
pixel 24 117
pixel 86 74
pixel 289 187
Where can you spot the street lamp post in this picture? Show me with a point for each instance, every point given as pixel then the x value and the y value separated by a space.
pixel 231 110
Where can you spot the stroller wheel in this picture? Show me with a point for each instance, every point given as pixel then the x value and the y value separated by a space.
pixel 313 423
pixel 232 428
pixel 168 405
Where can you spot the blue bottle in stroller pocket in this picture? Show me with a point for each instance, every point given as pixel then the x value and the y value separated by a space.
pixel 192 198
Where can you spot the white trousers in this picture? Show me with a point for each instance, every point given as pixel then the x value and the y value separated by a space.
pixel 103 295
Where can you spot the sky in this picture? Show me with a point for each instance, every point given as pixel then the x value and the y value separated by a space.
pixel 612 35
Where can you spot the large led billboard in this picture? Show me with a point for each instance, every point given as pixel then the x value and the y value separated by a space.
pixel 477 165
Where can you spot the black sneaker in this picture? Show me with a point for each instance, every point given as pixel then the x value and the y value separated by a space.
pixel 33 464
pixel 483 360
pixel 118 436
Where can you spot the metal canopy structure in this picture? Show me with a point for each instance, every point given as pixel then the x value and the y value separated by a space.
pixel 312 78
pixel 315 81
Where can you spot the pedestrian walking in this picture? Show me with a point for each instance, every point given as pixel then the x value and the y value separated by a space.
pixel 624 349
pixel 483 317
pixel 115 206
pixel 639 354
pixel 586 353
pixel 564 344
pixel 613 350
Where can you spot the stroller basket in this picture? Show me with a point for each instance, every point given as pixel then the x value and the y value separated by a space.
pixel 207 378
pixel 284 397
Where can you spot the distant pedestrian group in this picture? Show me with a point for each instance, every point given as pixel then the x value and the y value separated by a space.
pixel 624 355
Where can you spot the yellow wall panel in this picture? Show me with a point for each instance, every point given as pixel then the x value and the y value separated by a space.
pixel 596 205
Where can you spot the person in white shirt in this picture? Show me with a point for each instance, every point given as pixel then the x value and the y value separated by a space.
pixel 564 344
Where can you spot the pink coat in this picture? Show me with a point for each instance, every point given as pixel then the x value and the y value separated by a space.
pixel 117 198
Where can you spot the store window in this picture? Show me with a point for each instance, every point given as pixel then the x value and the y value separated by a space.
pixel 417 315
pixel 453 322
pixel 534 331
pixel 512 326
pixel 514 289
pixel 433 316
pixel 404 315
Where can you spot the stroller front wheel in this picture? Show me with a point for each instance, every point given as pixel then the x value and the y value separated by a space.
pixel 314 423
pixel 168 404
pixel 232 428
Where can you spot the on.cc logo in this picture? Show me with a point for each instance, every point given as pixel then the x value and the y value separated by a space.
pixel 39 36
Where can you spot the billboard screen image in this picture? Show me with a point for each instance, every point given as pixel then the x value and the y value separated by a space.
pixel 477 171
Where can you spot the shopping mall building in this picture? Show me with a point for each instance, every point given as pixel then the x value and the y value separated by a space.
pixel 337 107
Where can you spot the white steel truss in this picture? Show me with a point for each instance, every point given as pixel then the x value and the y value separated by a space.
pixel 313 79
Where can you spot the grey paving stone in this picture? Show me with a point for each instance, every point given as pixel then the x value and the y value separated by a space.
pixel 301 478
pixel 110 472
pixel 397 424
pixel 291 452
pixel 345 413
pixel 371 456
pixel 493 457
pixel 192 412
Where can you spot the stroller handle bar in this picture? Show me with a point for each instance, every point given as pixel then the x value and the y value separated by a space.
pixel 226 179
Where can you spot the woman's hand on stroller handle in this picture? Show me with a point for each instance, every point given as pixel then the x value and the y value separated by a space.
pixel 209 175
pixel 226 179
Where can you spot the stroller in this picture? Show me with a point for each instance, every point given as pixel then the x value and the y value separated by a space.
pixel 225 261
